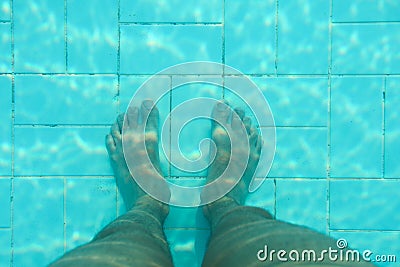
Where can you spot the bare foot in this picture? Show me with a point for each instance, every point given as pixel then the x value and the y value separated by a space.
pixel 223 148
pixel 134 134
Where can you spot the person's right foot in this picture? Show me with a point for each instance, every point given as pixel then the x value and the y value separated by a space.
pixel 221 112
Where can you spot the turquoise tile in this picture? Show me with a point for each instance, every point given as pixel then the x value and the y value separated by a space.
pixel 356 127
pixel 366 49
pixel 180 217
pixel 147 49
pixel 92 32
pixel 302 202
pixel 264 196
pixel 5 47
pixel 187 246
pixel 392 130
pixel 369 205
pixel 250 44
pixel 303 31
pixel 39 44
pixel 38 221
pixel 5 247
pixel 296 101
pixel 5 10
pixel 5 202
pixel 72 99
pixel 382 245
pixel 171 11
pixel 61 151
pixel 365 11
pixel 84 222
pixel 129 86
pixel 5 126
pixel 189 135
pixel 300 152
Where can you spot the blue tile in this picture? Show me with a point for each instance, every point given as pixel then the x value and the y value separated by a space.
pixel 72 99
pixel 392 130
pixel 364 205
pixel 5 126
pixel 190 135
pixel 171 11
pixel 356 127
pixel 381 244
pixel 83 222
pixel 365 11
pixel 61 151
pixel 303 30
pixel 5 10
pixel 129 86
pixel 302 202
pixel 296 101
pixel 92 36
pixel 187 246
pixel 5 48
pixel 180 217
pixel 39 44
pixel 300 152
pixel 365 49
pixel 5 247
pixel 264 196
pixel 147 49
pixel 38 221
pixel 250 36
pixel 5 196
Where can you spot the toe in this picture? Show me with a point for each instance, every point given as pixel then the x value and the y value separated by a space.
pixel 132 116
pixel 110 144
pixel 247 124
pixel 120 122
pixel 237 123
pixel 240 112
pixel 220 114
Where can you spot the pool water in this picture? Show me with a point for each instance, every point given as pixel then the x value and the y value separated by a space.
pixel 329 69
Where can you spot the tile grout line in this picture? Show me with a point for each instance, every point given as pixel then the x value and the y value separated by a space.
pixel 384 127
pixel 223 48
pixel 12 187
pixel 65 179
pixel 276 36
pixel 329 117
pixel 117 200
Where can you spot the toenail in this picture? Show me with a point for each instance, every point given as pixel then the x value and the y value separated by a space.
pixel 148 104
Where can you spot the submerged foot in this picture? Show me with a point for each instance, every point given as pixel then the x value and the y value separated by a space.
pixel 134 134
pixel 237 121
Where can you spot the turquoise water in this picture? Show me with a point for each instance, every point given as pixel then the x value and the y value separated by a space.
pixel 330 70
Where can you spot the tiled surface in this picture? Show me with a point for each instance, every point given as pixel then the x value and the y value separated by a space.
pixel 353 137
pixel 5 126
pixel 303 37
pixel 365 11
pixel 5 47
pixel 61 151
pixel 39 229
pixel 392 131
pixel 5 200
pixel 302 202
pixel 46 18
pixel 363 199
pixel 82 220
pixel 329 70
pixel 92 32
pixel 147 49
pixel 363 49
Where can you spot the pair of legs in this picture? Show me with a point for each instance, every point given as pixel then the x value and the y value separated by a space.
pixel 239 234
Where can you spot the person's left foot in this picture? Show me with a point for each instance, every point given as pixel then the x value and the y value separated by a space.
pixel 133 135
